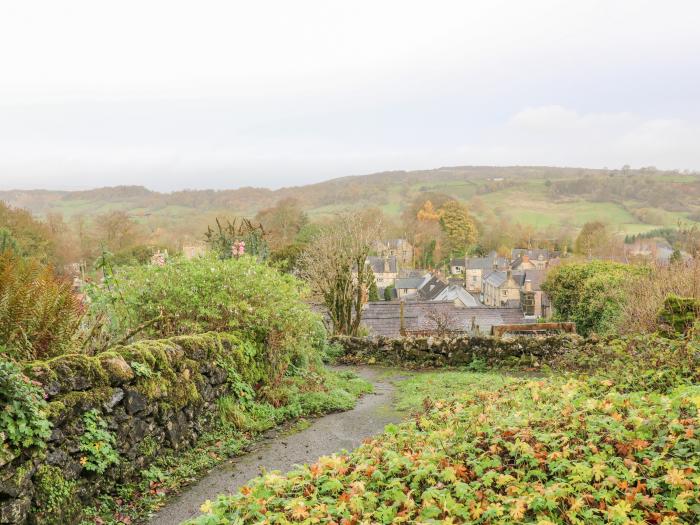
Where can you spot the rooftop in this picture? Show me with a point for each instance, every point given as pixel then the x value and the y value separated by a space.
pixel 384 318
pixel 378 264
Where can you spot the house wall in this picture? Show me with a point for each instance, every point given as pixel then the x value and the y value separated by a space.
pixel 403 292
pixel 498 296
pixel 473 280
pixel 385 279
pixel 404 252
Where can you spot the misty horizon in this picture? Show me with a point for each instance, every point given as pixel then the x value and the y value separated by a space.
pixel 171 96
pixel 325 180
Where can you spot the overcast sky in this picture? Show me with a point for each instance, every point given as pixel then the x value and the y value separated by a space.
pixel 206 94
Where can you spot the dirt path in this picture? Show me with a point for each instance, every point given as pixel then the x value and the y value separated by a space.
pixel 328 434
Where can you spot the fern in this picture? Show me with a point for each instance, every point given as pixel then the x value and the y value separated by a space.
pixel 39 315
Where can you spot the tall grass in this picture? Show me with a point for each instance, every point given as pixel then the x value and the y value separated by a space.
pixel 647 292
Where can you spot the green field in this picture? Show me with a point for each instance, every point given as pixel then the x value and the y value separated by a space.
pixel 526 195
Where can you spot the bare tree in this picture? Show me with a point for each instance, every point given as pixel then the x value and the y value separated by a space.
pixel 335 266
pixel 646 293
pixel 444 321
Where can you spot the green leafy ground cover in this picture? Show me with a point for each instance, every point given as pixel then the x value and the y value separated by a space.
pixel 621 447
pixel 305 395
pixel 547 451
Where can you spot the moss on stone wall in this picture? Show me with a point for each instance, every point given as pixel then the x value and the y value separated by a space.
pixel 149 393
pixel 55 500
pixel 427 352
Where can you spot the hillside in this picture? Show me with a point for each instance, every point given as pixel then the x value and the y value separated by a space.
pixel 631 201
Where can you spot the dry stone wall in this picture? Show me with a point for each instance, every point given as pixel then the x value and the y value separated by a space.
pixel 456 351
pixel 153 396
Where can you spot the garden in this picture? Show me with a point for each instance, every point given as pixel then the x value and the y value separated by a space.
pixel 114 402
pixel 580 443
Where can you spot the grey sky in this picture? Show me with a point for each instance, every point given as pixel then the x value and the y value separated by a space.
pixel 173 94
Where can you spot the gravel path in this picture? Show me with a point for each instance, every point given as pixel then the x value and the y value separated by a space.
pixel 328 434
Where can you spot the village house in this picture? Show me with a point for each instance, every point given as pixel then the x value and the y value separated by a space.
pixel 534 302
pixel 526 259
pixel 409 286
pixel 435 289
pixel 502 289
pixel 399 248
pixel 474 268
pixel 385 269
pixel 457 295
pixel 656 249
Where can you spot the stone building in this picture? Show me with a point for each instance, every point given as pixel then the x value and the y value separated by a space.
pixel 385 269
pixel 399 248
pixel 474 269
pixel 502 289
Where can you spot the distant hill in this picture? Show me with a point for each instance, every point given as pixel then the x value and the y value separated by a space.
pixel 630 200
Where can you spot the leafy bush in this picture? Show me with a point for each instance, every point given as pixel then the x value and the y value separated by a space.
pixel 643 362
pixel 98 444
pixel 201 295
pixel 590 294
pixel 25 235
pixel 23 421
pixel 678 315
pixel 39 315
pixel 544 452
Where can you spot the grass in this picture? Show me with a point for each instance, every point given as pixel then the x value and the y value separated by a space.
pixel 231 436
pixel 536 209
pixel 411 393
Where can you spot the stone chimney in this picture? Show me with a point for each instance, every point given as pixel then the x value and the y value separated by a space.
pixel 528 285
pixel 526 258
pixel 386 265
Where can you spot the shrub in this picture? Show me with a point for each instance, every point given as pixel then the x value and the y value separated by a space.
pixel 389 292
pixel 647 293
pixel 39 315
pixel 642 362
pixel 679 315
pixel 25 235
pixel 591 294
pixel 200 295
pixel 23 421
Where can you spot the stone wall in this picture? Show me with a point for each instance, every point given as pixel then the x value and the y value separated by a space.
pixel 456 351
pixel 154 396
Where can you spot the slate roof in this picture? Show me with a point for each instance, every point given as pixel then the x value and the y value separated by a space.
pixel 496 279
pixel 480 263
pixel 407 272
pixel 377 263
pixel 536 278
pixel 453 292
pixel 430 289
pixel 410 283
pixel 533 254
pixel 384 318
